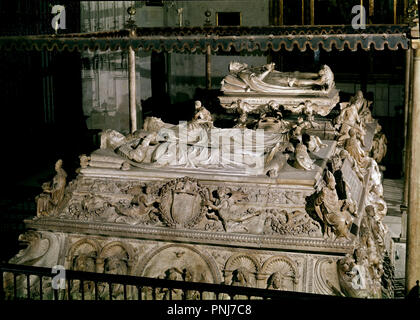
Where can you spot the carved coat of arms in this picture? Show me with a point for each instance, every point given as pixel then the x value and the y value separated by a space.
pixel 181 203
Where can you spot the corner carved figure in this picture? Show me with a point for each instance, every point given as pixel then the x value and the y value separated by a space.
pixel 353 146
pixel 347 120
pixel 332 211
pixel 338 159
pixel 363 107
pixel 53 192
pixel 379 145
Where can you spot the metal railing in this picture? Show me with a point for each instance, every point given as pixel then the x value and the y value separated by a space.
pixel 34 283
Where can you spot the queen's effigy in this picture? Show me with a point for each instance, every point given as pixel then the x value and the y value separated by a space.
pixel 285 199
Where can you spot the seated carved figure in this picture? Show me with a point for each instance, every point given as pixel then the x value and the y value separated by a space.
pixel 53 192
pixel 353 146
pixel 201 117
pixel 379 145
pixel 265 79
pixel 332 211
pixel 362 106
pixel 347 120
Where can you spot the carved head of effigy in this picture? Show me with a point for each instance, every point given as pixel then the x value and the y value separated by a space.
pixel 327 75
pixel 235 67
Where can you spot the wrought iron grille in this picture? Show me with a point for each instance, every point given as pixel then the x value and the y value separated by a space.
pixel 20 282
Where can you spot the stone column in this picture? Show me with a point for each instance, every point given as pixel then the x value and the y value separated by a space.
pixel 208 67
pixel 413 221
pixel 407 139
pixel 312 6
pixel 132 88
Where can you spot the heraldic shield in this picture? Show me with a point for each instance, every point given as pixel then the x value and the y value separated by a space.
pixel 181 203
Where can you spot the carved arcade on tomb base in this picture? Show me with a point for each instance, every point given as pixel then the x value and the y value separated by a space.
pixel 290 201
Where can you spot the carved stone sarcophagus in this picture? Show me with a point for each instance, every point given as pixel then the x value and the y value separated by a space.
pixel 270 206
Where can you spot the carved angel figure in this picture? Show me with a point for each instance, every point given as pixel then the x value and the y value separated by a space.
pixel 221 207
pixel 140 207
